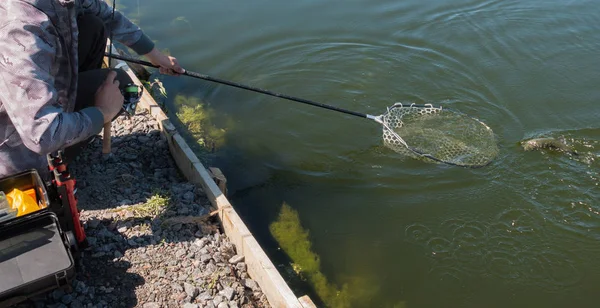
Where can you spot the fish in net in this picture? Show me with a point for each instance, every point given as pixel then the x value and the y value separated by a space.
pixel 440 135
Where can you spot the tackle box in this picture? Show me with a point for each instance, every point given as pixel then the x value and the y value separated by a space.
pixel 34 252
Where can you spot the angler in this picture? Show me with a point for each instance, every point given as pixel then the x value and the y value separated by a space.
pixel 53 93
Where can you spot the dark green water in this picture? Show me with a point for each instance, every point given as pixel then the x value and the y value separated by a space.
pixel 521 232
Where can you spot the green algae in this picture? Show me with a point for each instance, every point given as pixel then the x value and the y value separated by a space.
pixel 197 119
pixel 295 242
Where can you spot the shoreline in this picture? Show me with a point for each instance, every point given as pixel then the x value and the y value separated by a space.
pixel 152 240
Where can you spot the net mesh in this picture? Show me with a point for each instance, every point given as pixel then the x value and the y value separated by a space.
pixel 435 134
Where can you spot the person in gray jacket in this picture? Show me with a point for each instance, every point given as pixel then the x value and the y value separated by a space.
pixel 53 93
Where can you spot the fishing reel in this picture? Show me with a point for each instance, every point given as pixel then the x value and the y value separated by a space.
pixel 132 94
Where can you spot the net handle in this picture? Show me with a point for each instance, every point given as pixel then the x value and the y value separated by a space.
pixel 304 101
pixel 245 87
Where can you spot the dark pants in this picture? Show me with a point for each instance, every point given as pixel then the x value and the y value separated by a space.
pixel 92 45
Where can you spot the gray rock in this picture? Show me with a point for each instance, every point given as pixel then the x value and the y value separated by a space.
pixel 93 223
pixel 236 259
pixel 249 283
pixel 182 188
pixel 202 211
pixel 211 267
pixel 108 247
pixel 241 266
pixel 218 299
pixel 67 299
pixel 180 253
pixel 151 305
pixel 205 258
pixel 188 305
pixel 223 305
pixel 228 292
pixel 92 241
pixel 205 296
pixel 188 196
pixel 76 304
pixel 201 242
pixel 177 287
pixel 129 156
pixel 190 290
pixel 217 257
pixel 58 294
pixel 182 277
pixel 80 287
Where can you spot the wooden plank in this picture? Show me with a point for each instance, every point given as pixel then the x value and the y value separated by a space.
pixel 216 198
pixel 306 302
pixel 219 178
pixel 234 228
pixel 261 269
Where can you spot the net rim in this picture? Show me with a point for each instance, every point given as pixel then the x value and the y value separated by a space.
pixel 428 105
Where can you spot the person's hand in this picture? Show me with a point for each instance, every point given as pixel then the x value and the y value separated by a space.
pixel 108 97
pixel 167 65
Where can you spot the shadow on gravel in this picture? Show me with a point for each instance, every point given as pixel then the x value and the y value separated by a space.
pixel 152 242
pixel 134 189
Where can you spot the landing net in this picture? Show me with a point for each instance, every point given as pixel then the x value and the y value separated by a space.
pixel 439 135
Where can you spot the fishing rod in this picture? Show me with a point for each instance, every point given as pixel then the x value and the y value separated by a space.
pixel 237 85
pixel 469 144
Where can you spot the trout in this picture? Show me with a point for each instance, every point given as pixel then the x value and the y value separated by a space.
pixel 547 143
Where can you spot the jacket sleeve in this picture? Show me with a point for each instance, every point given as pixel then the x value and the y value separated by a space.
pixel 123 30
pixel 28 94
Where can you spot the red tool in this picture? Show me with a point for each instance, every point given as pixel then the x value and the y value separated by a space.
pixel 65 185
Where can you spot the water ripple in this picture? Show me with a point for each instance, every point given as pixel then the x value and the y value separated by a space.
pixel 502 249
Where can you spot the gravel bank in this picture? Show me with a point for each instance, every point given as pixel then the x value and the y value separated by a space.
pixel 152 242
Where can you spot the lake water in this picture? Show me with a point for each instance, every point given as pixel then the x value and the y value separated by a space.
pixel 521 232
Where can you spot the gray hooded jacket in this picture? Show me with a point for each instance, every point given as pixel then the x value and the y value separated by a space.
pixel 38 77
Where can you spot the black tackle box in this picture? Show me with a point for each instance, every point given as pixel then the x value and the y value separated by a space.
pixel 34 252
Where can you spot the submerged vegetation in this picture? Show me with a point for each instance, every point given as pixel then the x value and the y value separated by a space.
pixel 181 20
pixel 294 240
pixel 197 120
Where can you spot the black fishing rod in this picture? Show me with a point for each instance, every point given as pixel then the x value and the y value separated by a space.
pixel 237 85
pixel 467 156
